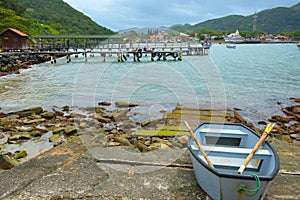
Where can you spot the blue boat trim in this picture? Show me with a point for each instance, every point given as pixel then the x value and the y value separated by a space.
pixel 237 176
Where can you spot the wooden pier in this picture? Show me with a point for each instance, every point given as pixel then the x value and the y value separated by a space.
pixel 104 45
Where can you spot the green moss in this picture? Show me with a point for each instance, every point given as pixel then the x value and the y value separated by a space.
pixel 160 133
pixel 3 69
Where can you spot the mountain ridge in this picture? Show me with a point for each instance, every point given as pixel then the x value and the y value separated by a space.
pixel 269 20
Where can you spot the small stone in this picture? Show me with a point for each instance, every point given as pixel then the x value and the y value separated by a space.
pixel 104 103
pixel 6 162
pixel 183 139
pixel 239 117
pixel 35 121
pixel 58 130
pixel 24 136
pixel 83 125
pixel 55 138
pixel 66 108
pixel 102 119
pixel 48 115
pixel 125 104
pixel 295 136
pixel 140 146
pixel 20 154
pixel 36 133
pixel 114 144
pixel 70 130
pixel 123 141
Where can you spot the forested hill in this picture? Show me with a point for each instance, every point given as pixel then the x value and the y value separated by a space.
pixel 39 17
pixel 276 20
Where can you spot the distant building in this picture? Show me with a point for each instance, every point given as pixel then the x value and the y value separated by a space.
pixel 159 37
pixel 234 37
pixel 13 39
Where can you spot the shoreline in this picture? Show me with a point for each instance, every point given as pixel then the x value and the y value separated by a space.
pixel 118 128
pixel 99 146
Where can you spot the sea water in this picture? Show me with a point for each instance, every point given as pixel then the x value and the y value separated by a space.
pixel 252 77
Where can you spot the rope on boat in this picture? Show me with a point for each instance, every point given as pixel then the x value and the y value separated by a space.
pixel 248 192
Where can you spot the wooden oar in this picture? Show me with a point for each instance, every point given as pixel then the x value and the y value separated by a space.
pixel 261 140
pixel 199 145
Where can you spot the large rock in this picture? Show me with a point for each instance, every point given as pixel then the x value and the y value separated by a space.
pixel 125 104
pixel 7 162
pixel 28 112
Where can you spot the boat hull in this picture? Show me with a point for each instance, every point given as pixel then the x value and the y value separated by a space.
pixel 224 187
pixel 223 181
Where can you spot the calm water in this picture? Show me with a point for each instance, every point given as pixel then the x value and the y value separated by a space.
pixel 250 77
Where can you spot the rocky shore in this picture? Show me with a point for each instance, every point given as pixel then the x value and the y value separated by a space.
pixel 116 127
pixel 11 64
pixel 94 144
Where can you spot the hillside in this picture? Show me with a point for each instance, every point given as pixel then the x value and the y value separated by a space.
pixel 276 20
pixel 46 17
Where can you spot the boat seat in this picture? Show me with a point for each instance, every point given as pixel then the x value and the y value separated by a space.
pixel 223 131
pixel 233 164
pixel 231 158
pixel 235 152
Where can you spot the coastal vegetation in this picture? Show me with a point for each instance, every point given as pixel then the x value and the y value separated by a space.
pixel 47 17
pixel 279 20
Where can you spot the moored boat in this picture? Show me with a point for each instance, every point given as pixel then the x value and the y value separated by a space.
pixel 298 45
pixel 227 146
pixel 230 46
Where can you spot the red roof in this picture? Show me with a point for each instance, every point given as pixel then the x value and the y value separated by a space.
pixel 15 31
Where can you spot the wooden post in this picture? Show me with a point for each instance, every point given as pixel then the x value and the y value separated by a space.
pixel 261 140
pixel 199 145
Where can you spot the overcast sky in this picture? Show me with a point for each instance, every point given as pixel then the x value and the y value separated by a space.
pixel 123 14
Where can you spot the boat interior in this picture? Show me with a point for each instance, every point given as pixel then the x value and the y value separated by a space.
pixel 228 146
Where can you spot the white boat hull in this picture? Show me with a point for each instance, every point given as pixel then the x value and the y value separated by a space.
pixel 227 146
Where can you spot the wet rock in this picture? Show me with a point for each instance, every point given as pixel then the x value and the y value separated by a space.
pixel 7 162
pixel 57 111
pixel 55 138
pixel 125 104
pixel 28 112
pixel 2 114
pixel 83 125
pixel 113 144
pixel 77 115
pixel 20 154
pixel 12 139
pixel 24 129
pixel 102 119
pixel 142 147
pixel 295 99
pixel 104 103
pixel 123 141
pixel 58 130
pixel 34 121
pixel 183 139
pixel 239 117
pixel 48 115
pixel 36 133
pixel 25 136
pixel 70 130
pixel 262 123
pixel 66 108
pixel 114 131
pixel 295 136
pixel 120 115
pixel 277 118
pixel 127 125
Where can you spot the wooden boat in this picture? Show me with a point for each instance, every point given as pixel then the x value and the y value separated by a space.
pixel 230 46
pixel 227 146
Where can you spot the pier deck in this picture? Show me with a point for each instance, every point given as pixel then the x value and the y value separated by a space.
pixel 122 53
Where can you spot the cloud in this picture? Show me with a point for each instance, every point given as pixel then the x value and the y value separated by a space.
pixel 123 14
